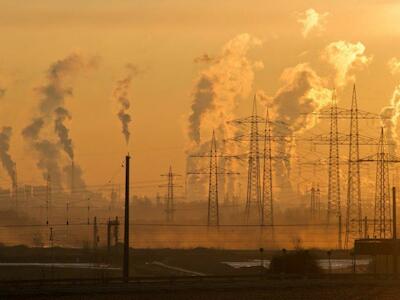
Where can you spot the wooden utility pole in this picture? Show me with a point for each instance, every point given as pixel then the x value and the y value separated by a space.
pixel 126 225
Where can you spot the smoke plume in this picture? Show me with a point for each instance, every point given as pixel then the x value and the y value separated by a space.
pixel 51 111
pixel 6 160
pixel 227 77
pixel 346 57
pixel 218 88
pixel 312 20
pixel 391 120
pixel 390 115
pixel 394 65
pixel 301 94
pixel 62 131
pixel 77 177
pixel 121 94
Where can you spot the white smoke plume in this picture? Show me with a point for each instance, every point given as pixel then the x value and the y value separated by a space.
pixel 52 112
pixel 5 157
pixel 391 120
pixel 121 94
pixel 312 21
pixel 216 92
pixel 346 57
pixel 394 65
pixel 302 94
pixel 390 115
pixel 218 88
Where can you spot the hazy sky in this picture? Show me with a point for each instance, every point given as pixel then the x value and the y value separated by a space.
pixel 162 39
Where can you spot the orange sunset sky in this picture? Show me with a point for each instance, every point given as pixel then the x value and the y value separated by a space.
pixel 162 39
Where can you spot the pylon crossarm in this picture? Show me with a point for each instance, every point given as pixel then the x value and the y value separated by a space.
pixel 247 120
pixel 344 113
pixel 262 138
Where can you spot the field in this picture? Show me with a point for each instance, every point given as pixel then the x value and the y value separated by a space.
pixel 241 290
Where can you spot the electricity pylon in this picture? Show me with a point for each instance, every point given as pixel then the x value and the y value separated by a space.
pixel 213 172
pixel 354 224
pixel 334 205
pixel 354 140
pixel 259 194
pixel 382 210
pixel 169 199
pixel 267 203
pixel 253 170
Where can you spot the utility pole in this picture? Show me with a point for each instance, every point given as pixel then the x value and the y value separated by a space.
pixel 313 204
pixel 394 208
pixel 126 224
pixel 48 199
pixel 95 233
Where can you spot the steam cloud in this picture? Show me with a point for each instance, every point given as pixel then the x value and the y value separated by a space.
pixel 51 110
pixel 394 65
pixel 312 21
pixel 302 94
pixel 390 120
pixel 216 92
pixel 345 57
pixel 121 95
pixel 390 115
pixel 218 88
pixel 6 160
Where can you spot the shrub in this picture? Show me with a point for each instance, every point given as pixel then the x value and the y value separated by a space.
pixel 297 262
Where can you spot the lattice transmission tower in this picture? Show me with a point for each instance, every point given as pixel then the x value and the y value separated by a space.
pixel 354 223
pixel 213 172
pixel 253 198
pixel 354 140
pixel 169 198
pixel 267 202
pixel 382 211
pixel 334 205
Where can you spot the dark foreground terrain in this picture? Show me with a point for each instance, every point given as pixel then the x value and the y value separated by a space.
pixel 220 290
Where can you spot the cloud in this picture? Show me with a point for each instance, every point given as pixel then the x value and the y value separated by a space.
pixel 345 57
pixel 394 65
pixel 312 21
pixel 302 94
pixel 218 87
